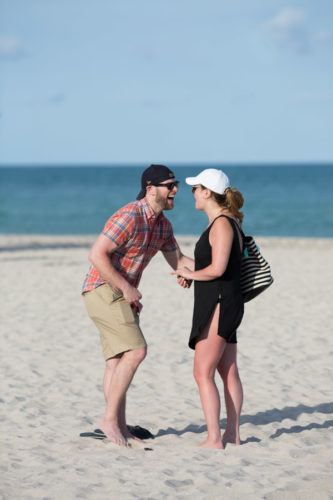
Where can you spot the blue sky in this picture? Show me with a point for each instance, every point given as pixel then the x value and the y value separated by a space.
pixel 173 81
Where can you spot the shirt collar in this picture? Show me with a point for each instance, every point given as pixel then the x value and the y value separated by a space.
pixel 148 210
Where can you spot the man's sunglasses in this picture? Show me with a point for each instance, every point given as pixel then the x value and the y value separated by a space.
pixel 169 185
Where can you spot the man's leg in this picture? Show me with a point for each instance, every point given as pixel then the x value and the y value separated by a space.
pixel 120 381
pixel 119 332
pixel 110 366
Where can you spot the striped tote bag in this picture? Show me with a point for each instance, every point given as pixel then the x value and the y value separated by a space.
pixel 255 271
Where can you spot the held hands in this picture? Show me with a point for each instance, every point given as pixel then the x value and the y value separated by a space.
pixel 184 272
pixel 183 282
pixel 184 276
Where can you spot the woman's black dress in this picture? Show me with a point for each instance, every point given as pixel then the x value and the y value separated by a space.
pixel 226 289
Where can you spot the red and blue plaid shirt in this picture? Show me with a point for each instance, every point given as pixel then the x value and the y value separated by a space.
pixel 138 234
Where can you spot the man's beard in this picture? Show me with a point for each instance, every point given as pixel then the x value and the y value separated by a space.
pixel 163 202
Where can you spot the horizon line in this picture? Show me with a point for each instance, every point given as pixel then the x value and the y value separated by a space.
pixel 180 164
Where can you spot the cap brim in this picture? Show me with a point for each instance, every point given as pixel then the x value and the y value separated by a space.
pixel 191 181
pixel 141 195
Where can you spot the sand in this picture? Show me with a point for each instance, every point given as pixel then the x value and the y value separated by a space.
pixel 52 369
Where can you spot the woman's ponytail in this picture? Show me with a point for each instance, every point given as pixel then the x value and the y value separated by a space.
pixel 233 200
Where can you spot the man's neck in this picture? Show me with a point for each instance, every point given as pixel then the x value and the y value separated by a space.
pixel 154 206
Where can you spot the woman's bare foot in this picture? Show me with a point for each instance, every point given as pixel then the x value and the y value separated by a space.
pixel 231 438
pixel 210 443
pixel 112 431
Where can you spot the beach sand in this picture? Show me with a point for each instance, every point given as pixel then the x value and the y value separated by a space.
pixel 52 369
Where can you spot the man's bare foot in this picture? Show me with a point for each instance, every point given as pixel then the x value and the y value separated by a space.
pixel 112 431
pixel 231 438
pixel 127 435
pixel 210 443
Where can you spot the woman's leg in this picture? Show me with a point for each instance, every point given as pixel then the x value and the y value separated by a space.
pixel 208 352
pixel 233 393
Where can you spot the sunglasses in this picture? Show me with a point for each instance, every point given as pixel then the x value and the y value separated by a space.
pixel 194 188
pixel 169 185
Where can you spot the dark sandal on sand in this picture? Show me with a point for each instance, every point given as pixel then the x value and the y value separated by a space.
pixel 140 432
pixel 97 434
pixel 135 430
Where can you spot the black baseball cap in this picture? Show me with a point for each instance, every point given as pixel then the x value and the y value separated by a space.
pixel 154 175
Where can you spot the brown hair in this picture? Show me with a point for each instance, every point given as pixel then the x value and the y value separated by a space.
pixel 233 200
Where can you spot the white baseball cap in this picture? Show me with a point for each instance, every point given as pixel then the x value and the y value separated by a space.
pixel 211 178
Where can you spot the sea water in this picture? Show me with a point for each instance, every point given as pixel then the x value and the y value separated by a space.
pixel 280 200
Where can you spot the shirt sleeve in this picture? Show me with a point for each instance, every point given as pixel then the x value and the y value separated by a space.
pixel 119 228
pixel 170 244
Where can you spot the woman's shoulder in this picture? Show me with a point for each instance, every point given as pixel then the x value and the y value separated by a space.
pixel 221 226
pixel 222 221
pixel 227 227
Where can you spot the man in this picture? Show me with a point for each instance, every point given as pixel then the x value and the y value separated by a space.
pixel 131 237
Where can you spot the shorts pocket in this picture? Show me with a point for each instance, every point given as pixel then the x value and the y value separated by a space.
pixel 126 311
pixel 109 294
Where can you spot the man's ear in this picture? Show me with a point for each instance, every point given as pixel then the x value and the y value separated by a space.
pixel 150 190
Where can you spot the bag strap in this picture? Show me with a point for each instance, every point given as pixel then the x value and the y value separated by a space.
pixel 222 215
pixel 232 221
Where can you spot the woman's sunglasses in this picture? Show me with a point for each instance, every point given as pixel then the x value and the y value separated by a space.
pixel 194 188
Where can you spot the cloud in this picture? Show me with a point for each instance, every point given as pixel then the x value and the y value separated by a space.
pixel 11 47
pixel 287 29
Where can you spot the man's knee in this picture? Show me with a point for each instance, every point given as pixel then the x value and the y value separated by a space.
pixel 136 356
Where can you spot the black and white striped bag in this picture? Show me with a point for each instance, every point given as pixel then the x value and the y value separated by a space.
pixel 255 271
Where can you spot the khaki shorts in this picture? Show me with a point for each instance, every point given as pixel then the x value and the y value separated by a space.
pixel 117 322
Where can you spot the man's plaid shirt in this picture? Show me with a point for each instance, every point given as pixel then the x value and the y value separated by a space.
pixel 138 234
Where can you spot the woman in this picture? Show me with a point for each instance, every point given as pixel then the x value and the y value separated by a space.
pixel 218 302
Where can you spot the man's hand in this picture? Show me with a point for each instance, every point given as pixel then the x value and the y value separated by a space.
pixel 131 294
pixel 184 282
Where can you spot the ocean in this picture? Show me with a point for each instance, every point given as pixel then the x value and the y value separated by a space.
pixel 280 200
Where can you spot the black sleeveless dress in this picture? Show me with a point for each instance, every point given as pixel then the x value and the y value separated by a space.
pixel 226 289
